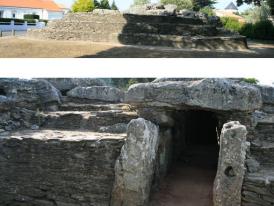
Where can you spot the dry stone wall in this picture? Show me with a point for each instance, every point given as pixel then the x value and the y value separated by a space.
pixel 179 31
pixel 49 168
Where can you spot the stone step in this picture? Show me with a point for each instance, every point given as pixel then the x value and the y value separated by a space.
pixel 150 28
pixel 264 130
pixel 71 106
pixel 258 188
pixel 130 18
pixel 197 42
pixel 106 121
pixel 263 152
pixel 175 41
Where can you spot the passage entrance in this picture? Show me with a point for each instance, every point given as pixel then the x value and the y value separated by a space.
pixel 190 179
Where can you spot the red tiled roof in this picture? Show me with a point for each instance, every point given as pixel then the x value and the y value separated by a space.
pixel 37 4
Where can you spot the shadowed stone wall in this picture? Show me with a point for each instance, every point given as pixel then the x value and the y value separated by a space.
pixel 132 29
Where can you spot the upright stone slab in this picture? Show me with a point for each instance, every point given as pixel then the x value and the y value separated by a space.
pixel 134 168
pixel 231 166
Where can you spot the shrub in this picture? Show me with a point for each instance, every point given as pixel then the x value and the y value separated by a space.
pixel 231 24
pixel 8 20
pixel 251 80
pixel 181 4
pixel 260 30
pixel 31 16
pixel 208 10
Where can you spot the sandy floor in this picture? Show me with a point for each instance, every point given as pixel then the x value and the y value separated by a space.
pixel 188 183
pixel 16 47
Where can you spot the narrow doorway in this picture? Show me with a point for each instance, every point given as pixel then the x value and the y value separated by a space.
pixel 191 177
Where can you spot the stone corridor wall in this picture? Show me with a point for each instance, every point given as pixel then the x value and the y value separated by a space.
pixel 52 172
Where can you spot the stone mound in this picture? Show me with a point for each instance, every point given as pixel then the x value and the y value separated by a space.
pixel 184 29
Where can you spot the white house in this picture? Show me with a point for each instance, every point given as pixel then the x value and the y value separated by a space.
pixel 46 9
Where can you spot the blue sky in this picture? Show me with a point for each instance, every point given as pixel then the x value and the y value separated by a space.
pixel 124 4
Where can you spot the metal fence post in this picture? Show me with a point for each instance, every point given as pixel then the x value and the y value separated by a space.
pixel 13 32
pixel 1 33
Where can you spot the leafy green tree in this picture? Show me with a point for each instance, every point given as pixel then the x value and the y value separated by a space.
pixel 199 4
pixel 141 2
pixel 83 6
pixel 257 13
pixel 113 6
pixel 181 4
pixel 208 10
pixel 97 4
pixel 104 4
pixel 258 3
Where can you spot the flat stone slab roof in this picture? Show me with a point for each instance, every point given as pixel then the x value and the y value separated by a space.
pixel 62 135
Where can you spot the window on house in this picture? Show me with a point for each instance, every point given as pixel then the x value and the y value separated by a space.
pixel 13 14
pixel 1 14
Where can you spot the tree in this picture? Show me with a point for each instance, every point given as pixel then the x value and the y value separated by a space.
pixel 181 4
pixel 141 2
pixel 257 14
pixel 258 3
pixel 104 4
pixel 97 4
pixel 83 6
pixel 199 4
pixel 113 6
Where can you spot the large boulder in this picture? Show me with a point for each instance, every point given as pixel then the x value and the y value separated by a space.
pixel 210 94
pixel 231 167
pixel 134 168
pixel 30 94
pixel 99 93
pixel 153 9
pixel 66 84
pixel 267 94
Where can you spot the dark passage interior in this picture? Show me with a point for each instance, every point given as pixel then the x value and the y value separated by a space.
pixel 189 181
pixel 2 92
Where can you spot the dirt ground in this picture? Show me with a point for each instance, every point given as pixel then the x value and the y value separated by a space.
pixel 190 181
pixel 22 47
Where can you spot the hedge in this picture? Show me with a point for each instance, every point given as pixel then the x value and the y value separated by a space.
pixel 31 16
pixel 261 30
pixel 8 20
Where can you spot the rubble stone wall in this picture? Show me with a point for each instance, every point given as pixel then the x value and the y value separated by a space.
pixel 52 172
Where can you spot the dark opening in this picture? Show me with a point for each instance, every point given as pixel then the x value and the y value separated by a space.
pixel 2 92
pixel 64 92
pixel 195 159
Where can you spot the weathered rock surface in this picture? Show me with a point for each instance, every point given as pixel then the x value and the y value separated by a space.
pixel 150 25
pixel 231 166
pixel 30 93
pixel 214 94
pixel 5 103
pixel 116 128
pixel 267 94
pixel 66 84
pixel 101 93
pixel 51 167
pixel 134 168
pixel 153 9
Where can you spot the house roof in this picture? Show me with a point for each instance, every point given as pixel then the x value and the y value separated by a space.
pixel 231 6
pixel 36 4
